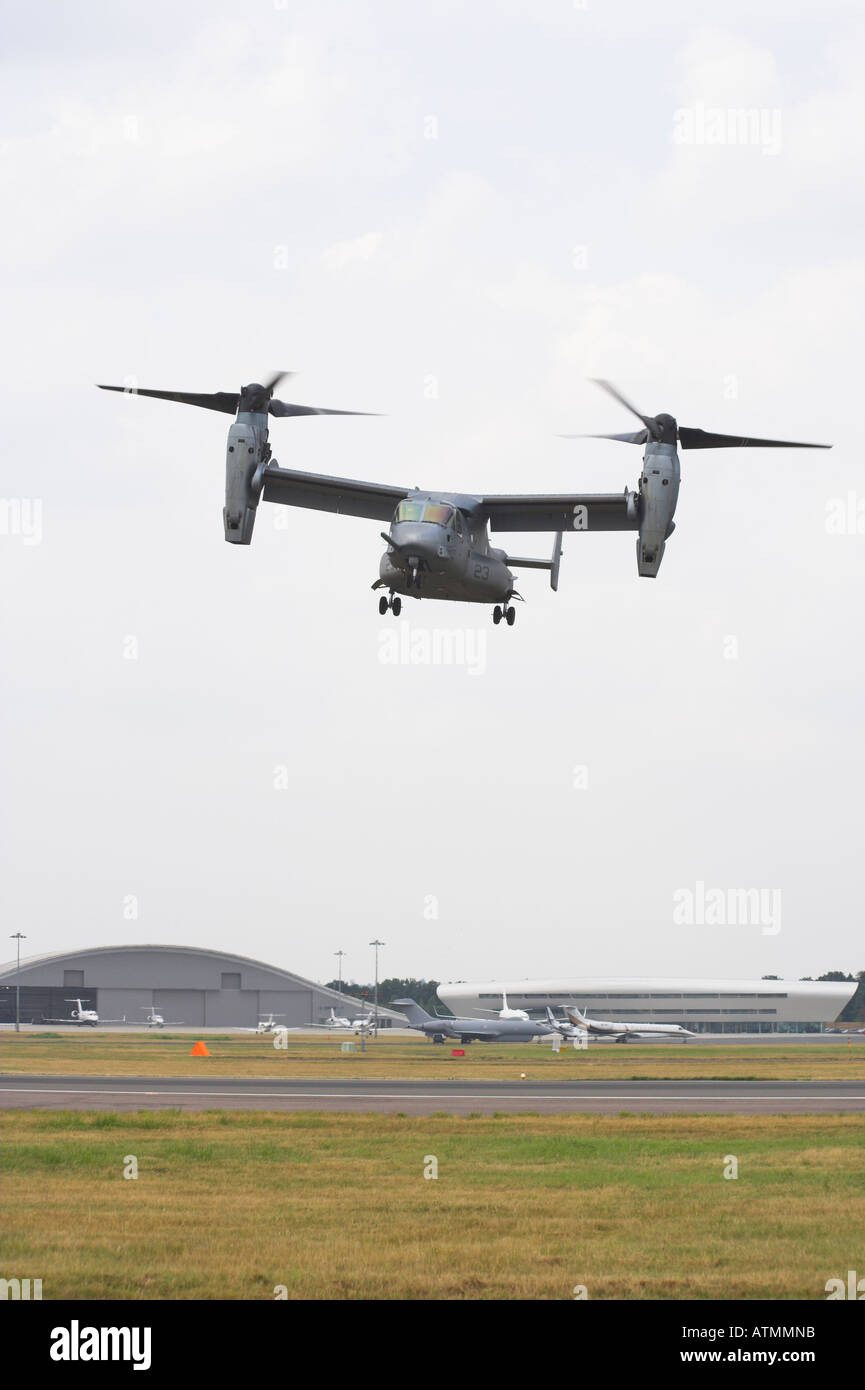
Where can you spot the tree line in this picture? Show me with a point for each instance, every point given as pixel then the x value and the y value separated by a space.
pixel 422 991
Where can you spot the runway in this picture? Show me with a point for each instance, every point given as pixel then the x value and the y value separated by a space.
pixel 122 1093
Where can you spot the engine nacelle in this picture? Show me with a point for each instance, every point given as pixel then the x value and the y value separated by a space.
pixel 243 484
pixel 659 492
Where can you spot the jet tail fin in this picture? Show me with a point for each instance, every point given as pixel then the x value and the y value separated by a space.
pixel 522 562
pixel 557 556
pixel 412 1010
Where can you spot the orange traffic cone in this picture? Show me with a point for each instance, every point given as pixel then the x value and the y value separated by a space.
pixel 199 1050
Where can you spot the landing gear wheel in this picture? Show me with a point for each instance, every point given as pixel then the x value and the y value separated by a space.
pixel 396 605
pixel 497 615
pixel 382 605
pixel 511 615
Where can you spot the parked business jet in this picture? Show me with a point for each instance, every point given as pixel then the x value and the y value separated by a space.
pixel 565 1029
pixel 267 1024
pixel 506 1012
pixel 155 1020
pixel 352 1025
pixel 83 1018
pixel 620 1032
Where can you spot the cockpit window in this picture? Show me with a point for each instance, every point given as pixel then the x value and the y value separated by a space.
pixel 436 512
pixel 409 511
pixel 439 514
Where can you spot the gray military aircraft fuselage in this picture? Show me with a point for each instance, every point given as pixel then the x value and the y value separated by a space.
pixel 466 1030
pixel 439 547
pixel 438 543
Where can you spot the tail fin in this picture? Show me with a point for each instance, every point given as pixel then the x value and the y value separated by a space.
pixel 557 556
pixel 522 562
pixel 574 1015
pixel 413 1012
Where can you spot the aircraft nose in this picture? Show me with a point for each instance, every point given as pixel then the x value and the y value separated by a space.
pixel 418 537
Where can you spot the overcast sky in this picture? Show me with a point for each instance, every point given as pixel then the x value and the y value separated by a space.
pixel 454 215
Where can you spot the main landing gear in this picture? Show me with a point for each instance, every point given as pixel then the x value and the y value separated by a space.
pixel 508 613
pixel 394 603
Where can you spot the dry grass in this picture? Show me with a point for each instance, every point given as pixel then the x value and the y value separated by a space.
pixel 119 1054
pixel 336 1206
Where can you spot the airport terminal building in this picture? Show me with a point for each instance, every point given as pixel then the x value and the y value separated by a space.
pixel 704 1006
pixel 199 988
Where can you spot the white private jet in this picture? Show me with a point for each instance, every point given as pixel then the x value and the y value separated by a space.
pixel 334 1021
pixel 267 1024
pixel 620 1032
pixel 568 1030
pixel 155 1020
pixel 83 1018
pixel 506 1012
pixel 363 1025
pixel 354 1025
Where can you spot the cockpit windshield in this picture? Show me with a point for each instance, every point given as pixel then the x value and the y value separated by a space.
pixel 438 513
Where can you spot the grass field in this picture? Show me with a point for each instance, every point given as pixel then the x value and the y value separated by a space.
pixel 119 1054
pixel 336 1206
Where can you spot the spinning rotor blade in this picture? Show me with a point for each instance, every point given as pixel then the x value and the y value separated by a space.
pixel 613 391
pixel 228 401
pixel 285 408
pixel 638 437
pixel 664 429
pixel 271 384
pixel 703 439
pixel 225 401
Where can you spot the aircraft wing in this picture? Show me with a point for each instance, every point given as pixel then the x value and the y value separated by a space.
pixel 345 496
pixel 559 512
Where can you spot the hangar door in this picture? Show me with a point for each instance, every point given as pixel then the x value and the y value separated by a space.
pixel 293 1005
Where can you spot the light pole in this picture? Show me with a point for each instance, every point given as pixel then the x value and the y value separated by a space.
pixel 18 937
pixel 340 954
pixel 376 944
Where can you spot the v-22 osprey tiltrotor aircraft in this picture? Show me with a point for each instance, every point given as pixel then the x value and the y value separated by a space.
pixel 437 542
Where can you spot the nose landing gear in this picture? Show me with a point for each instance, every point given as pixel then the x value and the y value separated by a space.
pixel 394 603
pixel 509 613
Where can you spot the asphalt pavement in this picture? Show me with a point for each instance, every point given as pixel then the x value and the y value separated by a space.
pixel 123 1093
